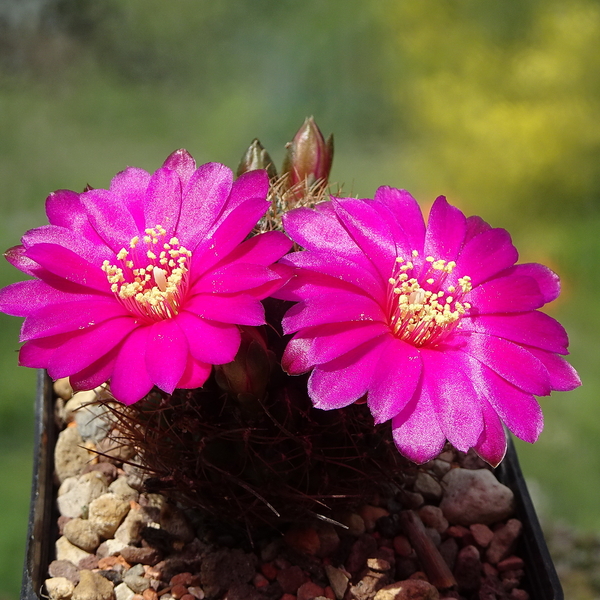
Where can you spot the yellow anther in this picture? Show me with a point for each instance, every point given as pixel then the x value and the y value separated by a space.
pixel 122 255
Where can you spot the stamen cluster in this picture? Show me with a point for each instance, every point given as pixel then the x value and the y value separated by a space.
pixel 425 314
pixel 154 291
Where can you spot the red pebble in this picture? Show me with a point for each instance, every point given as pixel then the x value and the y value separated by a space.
pixel 489 570
pixel 288 597
pixel 188 597
pixel 419 575
pixel 402 546
pixel 269 570
pixel 178 591
pixel 260 581
pixel 518 594
pixel 182 579
pixel 309 591
pixel 512 563
pixel 329 593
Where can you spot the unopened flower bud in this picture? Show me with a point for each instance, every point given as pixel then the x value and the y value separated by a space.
pixel 309 156
pixel 248 373
pixel 256 157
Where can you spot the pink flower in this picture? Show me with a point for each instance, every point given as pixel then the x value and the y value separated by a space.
pixel 436 325
pixel 145 283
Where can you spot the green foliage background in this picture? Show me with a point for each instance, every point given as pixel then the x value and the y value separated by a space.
pixel 495 105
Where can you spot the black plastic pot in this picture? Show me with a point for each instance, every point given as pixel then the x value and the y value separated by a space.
pixel 541 581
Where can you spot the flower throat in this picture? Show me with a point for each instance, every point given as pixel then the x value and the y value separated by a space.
pixel 422 312
pixel 151 277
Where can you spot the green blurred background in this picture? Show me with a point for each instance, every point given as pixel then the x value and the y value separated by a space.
pixel 494 104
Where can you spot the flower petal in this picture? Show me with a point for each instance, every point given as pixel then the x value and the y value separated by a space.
pixel 130 187
pixel 547 280
pixel 535 329
pixel 346 379
pixel 162 201
pixel 114 225
pixel 241 309
pixel 182 163
pixel 395 380
pixel 486 255
pixel 195 375
pixel 416 431
pixel 519 410
pixel 513 293
pixel 369 231
pixel 86 347
pixel 203 202
pixel 511 361
pixel 453 396
pixel 209 341
pixel 407 213
pixel 492 443
pixel 332 307
pixel 563 376
pixel 236 277
pixel 95 374
pixel 231 231
pixel 68 265
pixel 446 231
pixel 24 298
pixel 166 354
pixel 70 316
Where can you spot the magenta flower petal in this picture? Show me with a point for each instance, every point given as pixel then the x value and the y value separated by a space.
pixel 236 277
pixel 37 353
pixel 563 376
pixel 511 361
pixel 83 313
pixel 65 209
pixel 446 231
pixel 203 201
pixel 416 431
pixel 241 309
pixel 95 374
pixel 475 226
pixel 457 407
pixel 166 354
pixel 52 234
pixel 547 280
pixel 346 379
pixel 261 249
pixel 492 443
pixel 68 265
pixel 24 298
pixel 319 229
pixel 225 339
pixel 229 233
pixel 162 201
pixel 113 224
pixel 513 293
pixel 486 255
pixel 406 212
pixel 535 329
pixel 182 162
pixel 87 346
pixel 130 186
pixel 331 308
pixel 333 340
pixel 130 380
pixel 395 380
pixel 360 220
pixel 344 271
pixel 252 185
pixel 125 277
pixel 464 346
pixel 195 375
pixel 16 256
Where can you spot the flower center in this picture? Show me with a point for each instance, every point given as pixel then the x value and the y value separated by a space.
pixel 423 311
pixel 150 277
